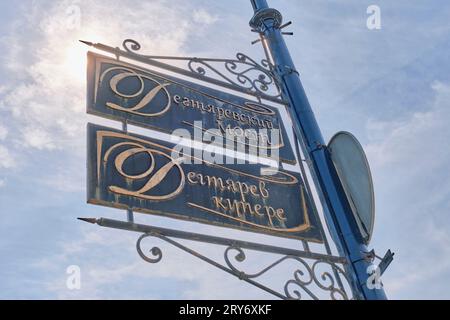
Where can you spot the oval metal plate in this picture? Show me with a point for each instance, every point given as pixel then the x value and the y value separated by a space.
pixel 353 169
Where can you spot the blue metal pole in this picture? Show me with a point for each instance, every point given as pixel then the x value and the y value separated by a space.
pixel 342 226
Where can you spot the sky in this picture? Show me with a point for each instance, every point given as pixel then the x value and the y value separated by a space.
pixel 390 87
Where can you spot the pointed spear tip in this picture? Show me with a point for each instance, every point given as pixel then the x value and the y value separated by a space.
pixel 90 220
pixel 86 42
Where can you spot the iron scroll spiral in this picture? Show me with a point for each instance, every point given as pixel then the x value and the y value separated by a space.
pixel 155 251
pixel 242 72
pixel 304 277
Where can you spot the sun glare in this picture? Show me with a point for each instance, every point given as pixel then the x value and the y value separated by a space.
pixel 75 62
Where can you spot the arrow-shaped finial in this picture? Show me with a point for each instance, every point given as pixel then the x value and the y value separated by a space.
pixel 90 220
pixel 87 42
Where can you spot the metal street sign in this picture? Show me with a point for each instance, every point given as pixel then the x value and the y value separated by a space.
pixel 353 170
pixel 140 173
pixel 125 92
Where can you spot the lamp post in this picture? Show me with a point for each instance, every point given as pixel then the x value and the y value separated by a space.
pixel 268 23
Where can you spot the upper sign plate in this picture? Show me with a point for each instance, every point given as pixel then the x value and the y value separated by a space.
pixel 126 92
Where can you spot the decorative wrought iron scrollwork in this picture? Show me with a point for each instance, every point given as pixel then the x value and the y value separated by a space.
pixel 155 251
pixel 131 45
pixel 312 277
pixel 261 83
pixel 243 72
pixel 305 279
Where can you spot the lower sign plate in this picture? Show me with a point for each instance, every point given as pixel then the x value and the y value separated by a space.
pixel 132 171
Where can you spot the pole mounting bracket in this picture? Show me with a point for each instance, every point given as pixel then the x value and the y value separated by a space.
pixel 287 70
pixel 258 21
pixel 385 261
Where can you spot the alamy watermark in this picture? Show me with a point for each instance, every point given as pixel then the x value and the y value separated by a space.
pixel 226 145
pixel 73 281
pixel 374 20
pixel 374 279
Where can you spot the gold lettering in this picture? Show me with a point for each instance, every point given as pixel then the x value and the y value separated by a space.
pixel 216 182
pixel 231 206
pixel 153 180
pixel 281 215
pixel 196 104
pixel 200 179
pixel 257 208
pixel 244 116
pixel 218 203
pixel 270 212
pixel 254 190
pixel 190 177
pixel 114 82
pixel 231 186
pixel 176 99
pixel 263 190
pixel 244 206
pixel 240 207
pixel 261 123
pixel 205 108
pixel 243 189
pixel 186 102
pixel 220 113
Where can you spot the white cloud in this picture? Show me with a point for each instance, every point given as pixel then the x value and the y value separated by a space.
pixel 419 271
pixel 6 159
pixel 38 138
pixel 194 279
pixel 68 180
pixel 409 160
pixel 47 99
pixel 3 132
pixel 46 105
pixel 204 17
pixel 418 143
pixel 99 274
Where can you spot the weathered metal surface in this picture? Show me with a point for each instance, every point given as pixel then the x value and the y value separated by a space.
pixel 184 235
pixel 241 74
pixel 353 171
pixel 132 171
pixel 334 202
pixel 126 92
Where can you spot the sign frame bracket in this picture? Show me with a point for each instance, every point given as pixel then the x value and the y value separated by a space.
pixel 308 272
pixel 204 69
